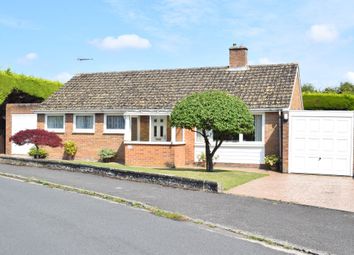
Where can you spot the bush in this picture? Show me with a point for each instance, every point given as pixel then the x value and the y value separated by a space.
pixel 70 149
pixel 328 101
pixel 106 154
pixel 37 137
pixel 271 161
pixel 38 153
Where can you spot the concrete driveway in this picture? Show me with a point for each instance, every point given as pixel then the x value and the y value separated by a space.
pixel 332 192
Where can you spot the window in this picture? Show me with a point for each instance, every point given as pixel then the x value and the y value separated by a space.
pixel 256 135
pixel 114 124
pixel 84 123
pixel 55 123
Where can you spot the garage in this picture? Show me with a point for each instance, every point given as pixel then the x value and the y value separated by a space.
pixel 22 122
pixel 321 142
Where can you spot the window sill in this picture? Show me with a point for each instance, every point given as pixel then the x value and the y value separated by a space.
pixel 154 143
pixel 83 131
pixel 57 131
pixel 118 131
pixel 241 145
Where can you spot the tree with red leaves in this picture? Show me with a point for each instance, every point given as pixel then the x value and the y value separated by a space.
pixel 37 137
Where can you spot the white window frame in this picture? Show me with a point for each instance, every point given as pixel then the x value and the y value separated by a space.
pixel 84 130
pixel 113 131
pixel 241 142
pixel 56 130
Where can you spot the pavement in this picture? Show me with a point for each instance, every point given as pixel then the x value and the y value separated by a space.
pixel 38 220
pixel 333 192
pixel 315 228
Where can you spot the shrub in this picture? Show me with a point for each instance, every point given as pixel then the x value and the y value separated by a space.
pixel 70 149
pixel 328 101
pixel 37 137
pixel 37 152
pixel 106 154
pixel 271 161
pixel 218 111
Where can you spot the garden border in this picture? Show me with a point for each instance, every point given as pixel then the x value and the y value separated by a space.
pixel 164 180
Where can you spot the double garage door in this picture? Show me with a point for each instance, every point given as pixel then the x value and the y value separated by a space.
pixel 321 142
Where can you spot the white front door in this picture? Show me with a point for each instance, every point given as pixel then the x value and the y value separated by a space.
pixel 321 143
pixel 158 128
pixel 22 122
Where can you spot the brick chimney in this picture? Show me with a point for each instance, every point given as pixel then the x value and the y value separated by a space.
pixel 237 56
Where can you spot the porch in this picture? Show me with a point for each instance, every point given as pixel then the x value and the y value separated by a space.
pixel 149 140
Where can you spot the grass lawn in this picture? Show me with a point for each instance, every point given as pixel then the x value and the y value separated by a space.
pixel 227 178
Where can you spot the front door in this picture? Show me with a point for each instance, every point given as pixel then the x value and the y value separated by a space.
pixel 159 128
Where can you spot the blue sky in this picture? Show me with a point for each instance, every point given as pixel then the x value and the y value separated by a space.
pixel 45 38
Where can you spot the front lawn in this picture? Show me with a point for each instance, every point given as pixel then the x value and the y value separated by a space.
pixel 227 178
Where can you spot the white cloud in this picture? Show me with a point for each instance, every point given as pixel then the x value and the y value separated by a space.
pixel 15 23
pixel 350 76
pixel 29 57
pixel 323 33
pixel 121 42
pixel 63 77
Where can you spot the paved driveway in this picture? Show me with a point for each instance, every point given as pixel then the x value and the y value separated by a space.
pixel 323 191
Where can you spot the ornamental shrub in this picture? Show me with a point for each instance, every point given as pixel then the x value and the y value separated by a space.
pixel 271 161
pixel 106 154
pixel 224 114
pixel 38 153
pixel 70 149
pixel 37 137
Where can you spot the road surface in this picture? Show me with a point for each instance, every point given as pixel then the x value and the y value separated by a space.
pixel 38 220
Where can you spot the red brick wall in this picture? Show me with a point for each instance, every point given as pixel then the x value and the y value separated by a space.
pixel 189 138
pixel 15 109
pixel 88 144
pixel 296 100
pixel 285 146
pixel 154 155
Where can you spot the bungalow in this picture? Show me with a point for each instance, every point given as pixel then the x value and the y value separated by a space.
pixel 129 112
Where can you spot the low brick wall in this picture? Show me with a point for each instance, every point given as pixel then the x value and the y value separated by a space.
pixel 165 180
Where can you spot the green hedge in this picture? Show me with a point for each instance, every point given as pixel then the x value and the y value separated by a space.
pixel 33 86
pixel 326 101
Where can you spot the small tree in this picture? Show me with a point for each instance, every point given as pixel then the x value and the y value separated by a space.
pixel 38 137
pixel 308 87
pixel 218 111
pixel 346 88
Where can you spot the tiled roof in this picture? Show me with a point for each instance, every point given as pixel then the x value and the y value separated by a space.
pixel 260 86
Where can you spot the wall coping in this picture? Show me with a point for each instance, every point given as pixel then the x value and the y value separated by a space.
pixel 160 179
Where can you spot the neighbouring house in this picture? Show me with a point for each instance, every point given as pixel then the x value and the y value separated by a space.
pixel 20 89
pixel 129 112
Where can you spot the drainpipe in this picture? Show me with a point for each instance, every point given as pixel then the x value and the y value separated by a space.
pixel 280 133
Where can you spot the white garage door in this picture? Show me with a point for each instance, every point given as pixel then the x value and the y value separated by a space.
pixel 321 142
pixel 22 122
